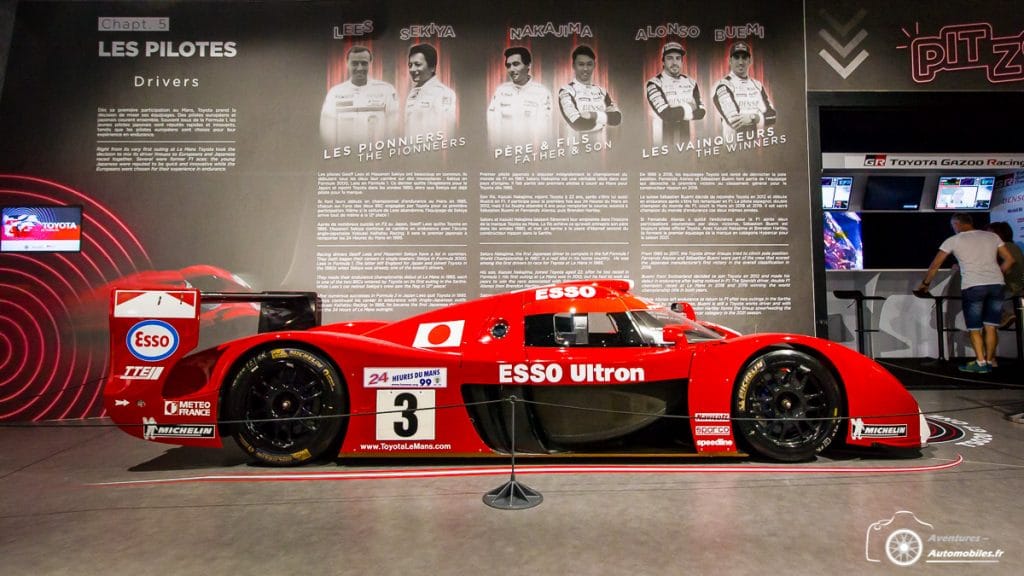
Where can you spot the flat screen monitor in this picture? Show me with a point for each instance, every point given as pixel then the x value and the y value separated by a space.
pixel 835 192
pixel 907 240
pixel 893 192
pixel 844 249
pixel 41 229
pixel 964 192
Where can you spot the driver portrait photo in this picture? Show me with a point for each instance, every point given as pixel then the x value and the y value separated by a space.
pixel 674 98
pixel 520 111
pixel 585 106
pixel 741 101
pixel 359 109
pixel 430 105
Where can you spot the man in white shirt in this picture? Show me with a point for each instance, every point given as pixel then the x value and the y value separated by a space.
pixel 358 110
pixel 520 111
pixel 981 285
pixel 430 106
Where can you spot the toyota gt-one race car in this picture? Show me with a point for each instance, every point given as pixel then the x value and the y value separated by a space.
pixel 580 367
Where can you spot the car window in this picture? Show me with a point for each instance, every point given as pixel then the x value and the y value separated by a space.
pixel 609 329
pixel 593 329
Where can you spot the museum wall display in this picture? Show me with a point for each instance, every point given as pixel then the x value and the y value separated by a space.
pixel 396 158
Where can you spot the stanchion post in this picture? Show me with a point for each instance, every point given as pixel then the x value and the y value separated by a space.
pixel 512 495
pixel 1018 311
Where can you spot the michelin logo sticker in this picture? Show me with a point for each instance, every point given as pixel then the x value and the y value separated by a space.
pixel 151 430
pixel 859 430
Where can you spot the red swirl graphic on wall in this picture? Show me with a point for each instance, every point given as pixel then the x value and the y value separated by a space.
pixel 53 332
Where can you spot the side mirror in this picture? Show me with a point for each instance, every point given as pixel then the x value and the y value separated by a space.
pixel 674 333
pixel 685 309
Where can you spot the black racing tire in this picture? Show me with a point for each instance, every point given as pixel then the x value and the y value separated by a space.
pixel 286 405
pixel 786 406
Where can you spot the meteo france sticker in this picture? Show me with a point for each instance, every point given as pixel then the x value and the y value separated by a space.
pixel 405 378
pixel 152 340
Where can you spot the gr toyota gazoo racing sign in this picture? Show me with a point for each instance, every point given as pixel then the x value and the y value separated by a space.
pixel 581 367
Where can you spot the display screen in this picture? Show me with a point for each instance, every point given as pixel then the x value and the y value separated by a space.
pixel 964 192
pixel 844 249
pixel 835 192
pixel 41 229
pixel 907 240
pixel 893 192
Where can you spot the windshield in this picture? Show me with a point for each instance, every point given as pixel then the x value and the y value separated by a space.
pixel 651 321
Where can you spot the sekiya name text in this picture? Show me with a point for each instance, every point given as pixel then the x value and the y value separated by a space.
pixel 714 146
pixel 396 147
pixel 551 150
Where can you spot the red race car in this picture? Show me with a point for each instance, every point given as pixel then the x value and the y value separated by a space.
pixel 580 367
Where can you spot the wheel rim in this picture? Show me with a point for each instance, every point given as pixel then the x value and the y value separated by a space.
pixel 283 405
pixel 784 402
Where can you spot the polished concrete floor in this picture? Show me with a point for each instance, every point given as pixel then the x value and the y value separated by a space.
pixel 65 508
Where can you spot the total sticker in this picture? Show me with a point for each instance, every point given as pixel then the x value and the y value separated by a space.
pixel 152 340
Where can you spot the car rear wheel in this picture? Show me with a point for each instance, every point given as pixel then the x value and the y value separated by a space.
pixel 285 404
pixel 786 405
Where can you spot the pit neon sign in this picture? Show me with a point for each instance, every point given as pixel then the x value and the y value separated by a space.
pixel 966 47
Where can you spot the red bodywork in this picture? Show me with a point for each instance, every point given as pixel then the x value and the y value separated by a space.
pixel 163 391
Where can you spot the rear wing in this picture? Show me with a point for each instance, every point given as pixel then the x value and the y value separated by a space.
pixel 278 310
pixel 157 327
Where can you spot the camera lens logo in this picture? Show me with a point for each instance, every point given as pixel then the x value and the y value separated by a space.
pixel 152 340
pixel 903 547
pixel 899 537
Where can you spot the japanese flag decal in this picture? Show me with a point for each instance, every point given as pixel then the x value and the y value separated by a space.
pixel 439 334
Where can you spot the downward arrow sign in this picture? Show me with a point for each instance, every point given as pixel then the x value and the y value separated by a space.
pixel 844 29
pixel 843 51
pixel 843 71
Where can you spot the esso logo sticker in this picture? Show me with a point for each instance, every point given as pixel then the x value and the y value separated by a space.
pixel 557 292
pixel 152 340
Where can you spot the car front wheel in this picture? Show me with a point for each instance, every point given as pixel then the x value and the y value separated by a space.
pixel 786 405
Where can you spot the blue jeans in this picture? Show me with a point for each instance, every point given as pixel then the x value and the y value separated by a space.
pixel 982 305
